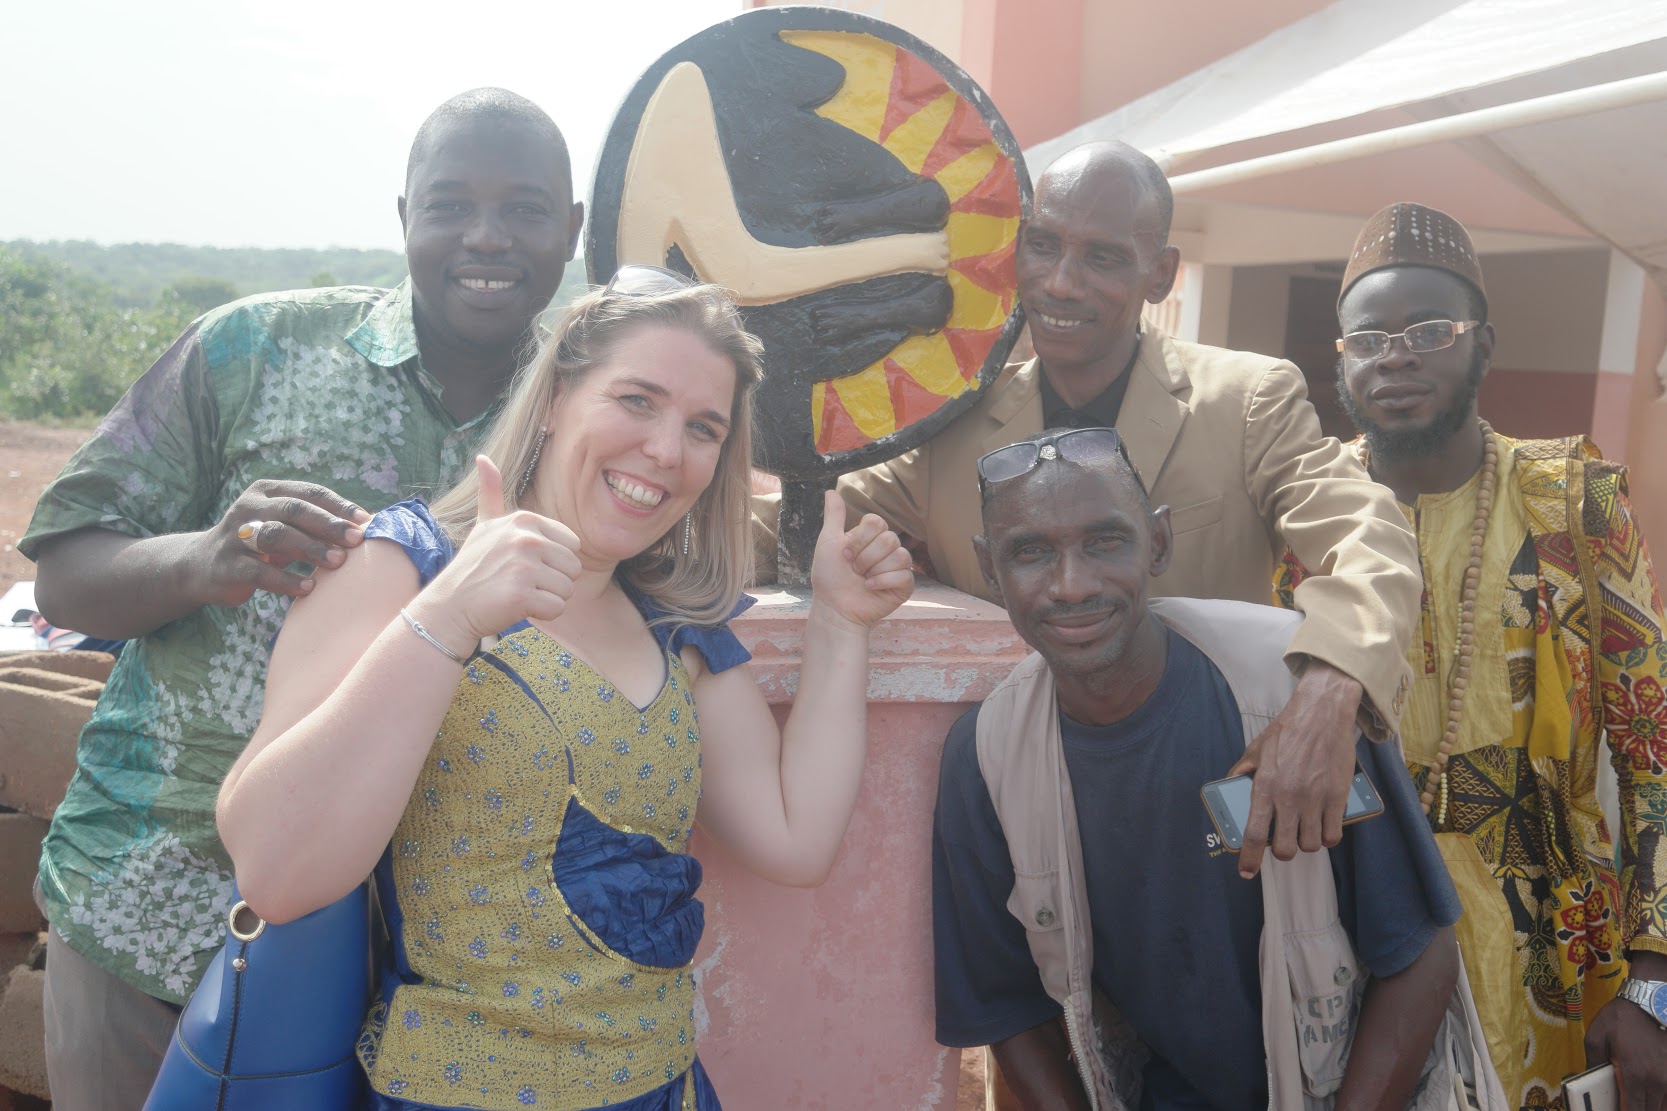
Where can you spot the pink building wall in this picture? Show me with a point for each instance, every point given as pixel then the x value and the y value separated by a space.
pixel 1128 49
pixel 1030 52
pixel 1538 403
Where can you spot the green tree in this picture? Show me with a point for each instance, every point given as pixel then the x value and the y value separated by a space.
pixel 322 280
pixel 139 272
pixel 67 349
pixel 199 293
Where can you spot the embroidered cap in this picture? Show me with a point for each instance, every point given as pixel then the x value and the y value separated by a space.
pixel 1410 234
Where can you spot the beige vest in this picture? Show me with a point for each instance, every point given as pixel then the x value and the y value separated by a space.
pixel 1307 1029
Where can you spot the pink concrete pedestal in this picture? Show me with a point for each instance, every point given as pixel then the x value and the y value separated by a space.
pixel 823 998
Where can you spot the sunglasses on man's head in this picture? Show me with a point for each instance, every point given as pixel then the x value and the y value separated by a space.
pixel 642 280
pixel 1076 445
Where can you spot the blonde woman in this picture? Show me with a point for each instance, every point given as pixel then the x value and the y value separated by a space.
pixel 509 707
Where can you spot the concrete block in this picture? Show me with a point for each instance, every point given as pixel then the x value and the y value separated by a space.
pixel 48 679
pixel 86 665
pixel 41 715
pixel 23 1033
pixel 20 854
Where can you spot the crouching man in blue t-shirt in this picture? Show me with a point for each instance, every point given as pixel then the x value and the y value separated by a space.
pixel 1088 925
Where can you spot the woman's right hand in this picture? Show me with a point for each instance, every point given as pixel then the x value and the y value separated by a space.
pixel 513 566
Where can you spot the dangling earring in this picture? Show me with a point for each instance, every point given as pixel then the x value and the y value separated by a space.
pixel 532 464
pixel 688 523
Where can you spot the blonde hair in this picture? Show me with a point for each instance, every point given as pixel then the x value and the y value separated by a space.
pixel 702 587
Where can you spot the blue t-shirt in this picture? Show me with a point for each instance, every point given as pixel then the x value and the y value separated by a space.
pixel 1176 930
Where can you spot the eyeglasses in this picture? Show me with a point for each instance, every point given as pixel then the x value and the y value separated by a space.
pixel 1431 335
pixel 638 279
pixel 1076 445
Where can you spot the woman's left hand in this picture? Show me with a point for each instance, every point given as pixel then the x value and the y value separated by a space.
pixel 862 575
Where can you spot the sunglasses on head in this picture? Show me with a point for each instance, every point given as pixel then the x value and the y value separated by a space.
pixel 642 280
pixel 1076 445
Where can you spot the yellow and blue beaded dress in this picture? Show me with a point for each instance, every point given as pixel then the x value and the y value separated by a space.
pixel 538 891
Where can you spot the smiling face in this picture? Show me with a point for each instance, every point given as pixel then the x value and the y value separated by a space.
pixel 1408 403
pixel 635 442
pixel 1072 550
pixel 490 225
pixel 1090 257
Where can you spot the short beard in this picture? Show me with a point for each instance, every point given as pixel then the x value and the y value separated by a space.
pixel 1414 443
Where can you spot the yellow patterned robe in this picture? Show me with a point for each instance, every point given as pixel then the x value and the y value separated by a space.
pixel 1551 906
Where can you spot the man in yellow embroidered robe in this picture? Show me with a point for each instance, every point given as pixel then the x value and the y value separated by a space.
pixel 1556 902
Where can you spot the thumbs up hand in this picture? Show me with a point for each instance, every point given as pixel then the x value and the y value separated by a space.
pixel 513 566
pixel 863 574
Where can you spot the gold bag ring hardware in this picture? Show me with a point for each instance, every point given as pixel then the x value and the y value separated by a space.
pixel 244 934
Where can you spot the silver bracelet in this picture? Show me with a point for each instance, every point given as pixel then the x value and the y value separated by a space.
pixel 417 627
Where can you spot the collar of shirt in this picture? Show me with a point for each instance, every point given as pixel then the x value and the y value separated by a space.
pixel 1100 412
pixel 388 335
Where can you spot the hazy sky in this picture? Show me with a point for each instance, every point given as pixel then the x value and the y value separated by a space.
pixel 285 123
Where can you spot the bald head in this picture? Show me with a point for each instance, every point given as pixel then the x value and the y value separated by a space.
pixel 1094 251
pixel 1096 164
pixel 491 107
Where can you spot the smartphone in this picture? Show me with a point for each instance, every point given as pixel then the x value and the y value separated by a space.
pixel 1593 1090
pixel 1228 801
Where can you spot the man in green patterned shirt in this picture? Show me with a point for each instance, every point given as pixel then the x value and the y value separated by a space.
pixel 255 445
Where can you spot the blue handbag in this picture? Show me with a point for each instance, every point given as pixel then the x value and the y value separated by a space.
pixel 273 1025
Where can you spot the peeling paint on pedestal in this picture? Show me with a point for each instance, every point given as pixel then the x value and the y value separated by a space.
pixel 703 969
pixel 935 1094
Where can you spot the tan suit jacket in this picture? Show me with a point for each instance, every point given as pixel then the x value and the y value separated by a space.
pixel 1229 441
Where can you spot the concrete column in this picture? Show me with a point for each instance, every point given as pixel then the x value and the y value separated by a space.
pixel 823 998
pixel 1205 301
pixel 1617 356
pixel 1647 460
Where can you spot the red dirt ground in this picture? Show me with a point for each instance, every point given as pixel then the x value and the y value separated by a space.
pixel 30 456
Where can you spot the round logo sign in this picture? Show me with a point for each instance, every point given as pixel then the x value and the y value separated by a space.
pixel 858 193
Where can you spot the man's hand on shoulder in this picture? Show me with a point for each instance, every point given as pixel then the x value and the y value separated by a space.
pixel 112 585
pixel 272 524
pixel 1302 762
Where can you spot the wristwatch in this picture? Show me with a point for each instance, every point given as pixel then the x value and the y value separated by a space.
pixel 1650 995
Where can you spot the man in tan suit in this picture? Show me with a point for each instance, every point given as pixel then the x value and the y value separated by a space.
pixel 1227 439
